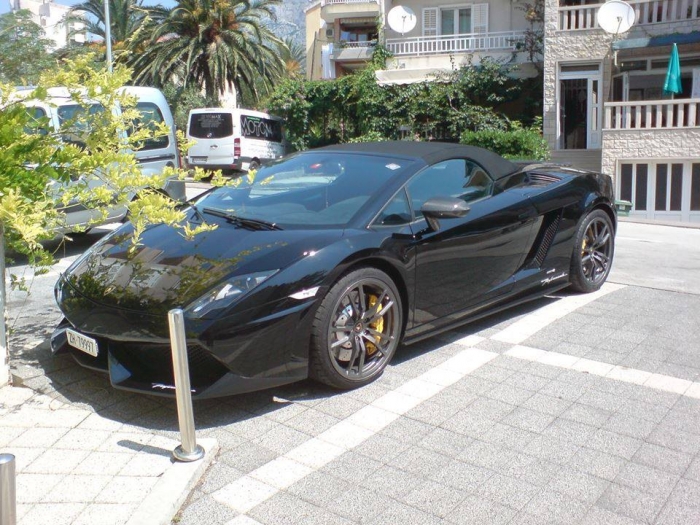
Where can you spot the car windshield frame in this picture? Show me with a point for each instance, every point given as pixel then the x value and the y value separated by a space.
pixel 310 190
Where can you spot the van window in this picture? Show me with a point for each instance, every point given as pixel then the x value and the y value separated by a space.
pixel 150 116
pixel 38 125
pixel 261 128
pixel 211 125
pixel 73 115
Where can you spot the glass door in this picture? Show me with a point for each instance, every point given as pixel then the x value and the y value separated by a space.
pixel 580 108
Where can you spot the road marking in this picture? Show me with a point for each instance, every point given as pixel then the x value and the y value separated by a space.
pixel 662 382
pixel 543 317
pixel 261 484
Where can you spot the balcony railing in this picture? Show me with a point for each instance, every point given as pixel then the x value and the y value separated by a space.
pixel 444 44
pixel 647 11
pixel 335 2
pixel 653 114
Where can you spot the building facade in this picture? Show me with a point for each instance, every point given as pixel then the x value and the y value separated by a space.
pixel 341 35
pixel 49 16
pixel 605 109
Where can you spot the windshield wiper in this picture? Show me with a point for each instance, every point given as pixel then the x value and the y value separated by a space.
pixel 251 224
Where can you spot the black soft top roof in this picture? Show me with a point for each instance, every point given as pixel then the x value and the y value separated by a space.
pixel 432 152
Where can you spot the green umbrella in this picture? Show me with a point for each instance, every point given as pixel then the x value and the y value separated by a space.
pixel 673 74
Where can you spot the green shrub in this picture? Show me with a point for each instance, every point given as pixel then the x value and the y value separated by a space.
pixel 517 143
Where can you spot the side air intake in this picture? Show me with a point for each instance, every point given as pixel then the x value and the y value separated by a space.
pixel 545 237
pixel 541 179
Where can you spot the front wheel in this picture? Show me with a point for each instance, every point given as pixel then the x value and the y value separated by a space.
pixel 356 330
pixel 594 247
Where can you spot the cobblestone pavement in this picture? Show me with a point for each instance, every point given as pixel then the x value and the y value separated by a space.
pixel 571 409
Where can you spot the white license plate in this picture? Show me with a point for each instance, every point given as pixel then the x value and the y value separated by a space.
pixel 198 160
pixel 82 342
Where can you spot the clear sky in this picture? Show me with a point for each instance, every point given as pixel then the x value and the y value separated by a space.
pixel 5 4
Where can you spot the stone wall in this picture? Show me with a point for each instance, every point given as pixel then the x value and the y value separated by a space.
pixel 677 144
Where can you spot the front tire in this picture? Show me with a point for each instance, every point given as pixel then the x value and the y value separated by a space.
pixel 356 330
pixel 594 247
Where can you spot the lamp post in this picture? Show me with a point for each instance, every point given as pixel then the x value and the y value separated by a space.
pixel 108 37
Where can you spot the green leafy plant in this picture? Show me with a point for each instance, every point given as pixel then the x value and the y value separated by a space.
pixel 516 143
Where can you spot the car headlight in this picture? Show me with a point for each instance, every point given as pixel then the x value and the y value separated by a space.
pixel 227 292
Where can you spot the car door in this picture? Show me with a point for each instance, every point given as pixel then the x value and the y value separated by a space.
pixel 470 260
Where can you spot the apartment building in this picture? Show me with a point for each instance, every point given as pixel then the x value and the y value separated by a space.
pixel 49 15
pixel 605 109
pixel 341 35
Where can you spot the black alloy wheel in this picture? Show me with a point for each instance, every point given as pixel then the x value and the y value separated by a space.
pixel 356 330
pixel 593 252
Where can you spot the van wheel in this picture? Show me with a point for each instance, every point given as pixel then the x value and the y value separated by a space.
pixel 254 165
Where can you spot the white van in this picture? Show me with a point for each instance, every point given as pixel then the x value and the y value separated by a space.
pixel 233 139
pixel 153 157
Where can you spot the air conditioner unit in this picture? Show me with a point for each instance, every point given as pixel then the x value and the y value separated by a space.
pixel 329 32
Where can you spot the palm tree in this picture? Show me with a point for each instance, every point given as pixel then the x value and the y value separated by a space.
pixel 125 17
pixel 215 44
pixel 293 55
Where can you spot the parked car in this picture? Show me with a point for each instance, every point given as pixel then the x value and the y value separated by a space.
pixel 233 139
pixel 155 154
pixel 328 260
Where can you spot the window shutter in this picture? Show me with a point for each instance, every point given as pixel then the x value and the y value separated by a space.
pixel 480 14
pixel 430 16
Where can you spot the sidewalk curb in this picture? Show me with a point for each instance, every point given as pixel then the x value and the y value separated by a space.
pixel 170 492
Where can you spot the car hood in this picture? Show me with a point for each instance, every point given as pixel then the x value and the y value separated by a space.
pixel 168 271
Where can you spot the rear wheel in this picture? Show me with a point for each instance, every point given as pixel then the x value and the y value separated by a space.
pixel 356 330
pixel 594 247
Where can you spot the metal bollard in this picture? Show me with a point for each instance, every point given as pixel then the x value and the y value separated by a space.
pixel 8 496
pixel 188 450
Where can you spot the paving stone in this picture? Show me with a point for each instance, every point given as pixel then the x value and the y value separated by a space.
pixel 634 504
pixel 493 373
pixel 218 476
pixel 579 485
pixel 352 467
pixel 693 471
pixel 392 481
pixel 599 516
pixel 510 394
pixel 445 442
pixel 539 369
pixel 676 439
pixel 397 513
pixel 54 513
pixel 469 424
pixel 686 494
pixel 487 455
pixel 527 381
pixel 419 461
pixel 407 430
pixel 589 415
pixel 613 443
pixel 381 448
pixel 462 475
pixel 477 510
pixel 77 489
pixel 571 431
pixel 508 436
pixel 563 390
pixel 528 420
pixel 629 426
pixel 597 463
pixel 434 498
pixel 105 514
pixel 432 413
pixel 531 470
pixel 282 439
pixel 662 458
pixel 310 422
pixel 283 509
pixel 359 504
pixel 472 384
pixel 546 404
pixel 554 506
pixel 601 400
pixel 512 492
pixel 247 457
pixel 551 449
pixel 637 409
pixel 320 488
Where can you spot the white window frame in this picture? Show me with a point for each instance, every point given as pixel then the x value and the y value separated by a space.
pixel 434 14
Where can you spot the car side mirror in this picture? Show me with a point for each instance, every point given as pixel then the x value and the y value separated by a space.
pixel 443 208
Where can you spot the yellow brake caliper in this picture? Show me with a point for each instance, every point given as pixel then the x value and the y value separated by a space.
pixel 377 325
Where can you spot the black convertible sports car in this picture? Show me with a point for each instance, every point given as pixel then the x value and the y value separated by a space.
pixel 323 262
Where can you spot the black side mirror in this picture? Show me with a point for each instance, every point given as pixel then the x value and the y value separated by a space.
pixel 443 208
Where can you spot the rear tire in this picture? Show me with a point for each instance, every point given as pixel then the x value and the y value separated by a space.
pixel 592 257
pixel 356 330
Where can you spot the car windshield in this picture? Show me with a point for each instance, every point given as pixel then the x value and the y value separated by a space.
pixel 307 190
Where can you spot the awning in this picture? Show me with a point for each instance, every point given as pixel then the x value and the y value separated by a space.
pixel 656 41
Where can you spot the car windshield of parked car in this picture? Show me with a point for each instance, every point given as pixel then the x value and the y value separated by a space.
pixel 308 190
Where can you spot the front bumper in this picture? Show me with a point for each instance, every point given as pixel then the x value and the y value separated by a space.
pixel 243 353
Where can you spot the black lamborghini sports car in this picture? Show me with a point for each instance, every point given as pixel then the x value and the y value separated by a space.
pixel 322 263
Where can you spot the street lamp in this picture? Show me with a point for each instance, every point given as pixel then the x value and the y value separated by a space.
pixel 108 36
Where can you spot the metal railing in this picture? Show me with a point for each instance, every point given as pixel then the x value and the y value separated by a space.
pixel 653 114
pixel 464 43
pixel 336 2
pixel 647 12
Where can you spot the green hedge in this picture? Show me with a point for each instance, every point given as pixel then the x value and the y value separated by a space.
pixel 516 144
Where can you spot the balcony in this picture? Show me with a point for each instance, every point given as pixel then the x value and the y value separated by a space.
pixel 449 44
pixel 331 10
pixel 653 114
pixel 648 12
